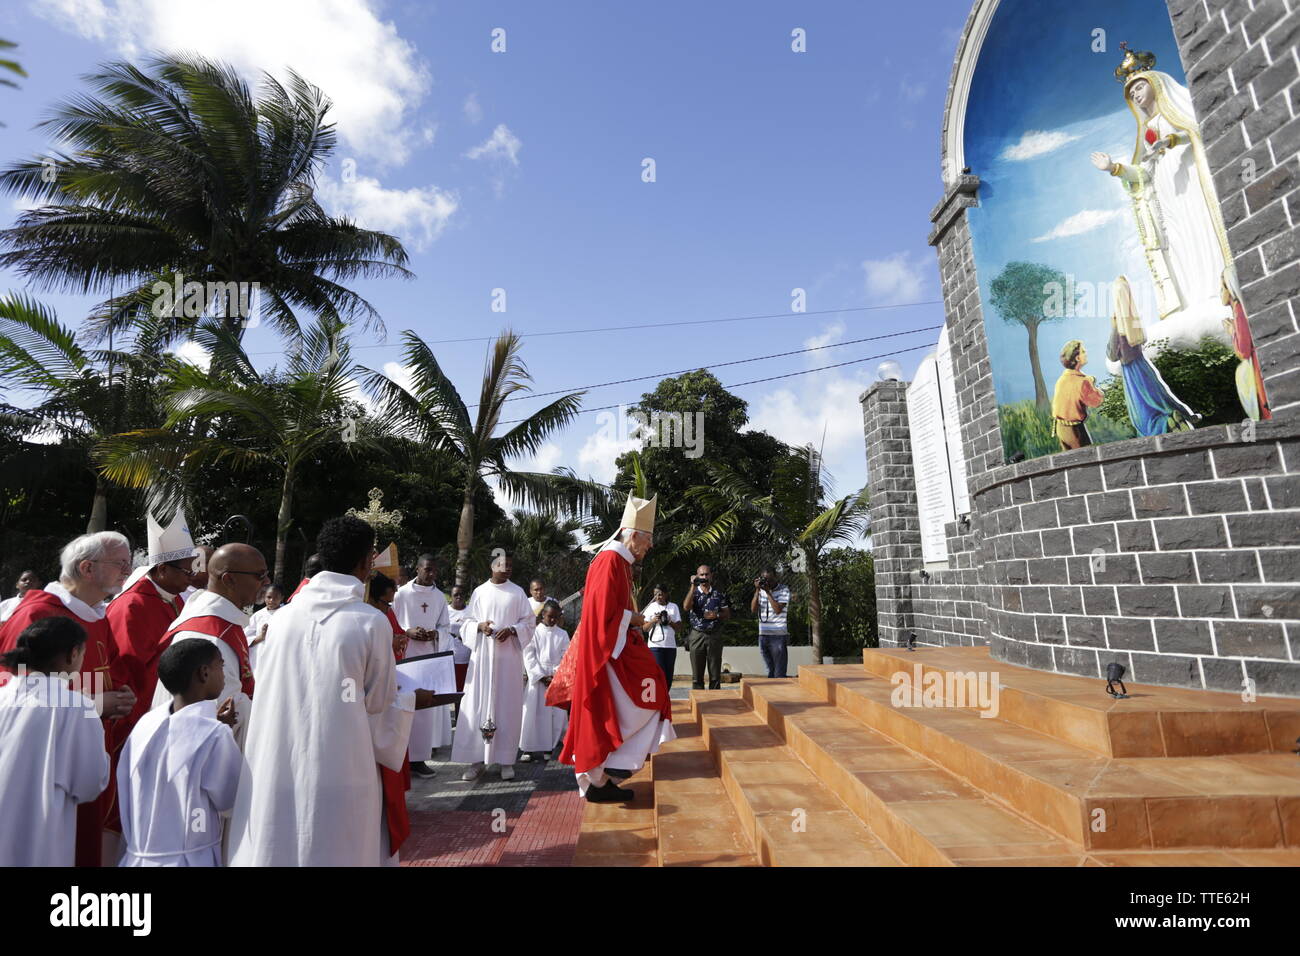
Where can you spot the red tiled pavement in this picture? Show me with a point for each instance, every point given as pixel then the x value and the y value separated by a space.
pixel 545 834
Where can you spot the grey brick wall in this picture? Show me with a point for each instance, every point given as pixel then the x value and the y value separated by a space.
pixel 1178 556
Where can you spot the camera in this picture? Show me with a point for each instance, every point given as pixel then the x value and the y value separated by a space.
pixel 663 618
pixel 698 581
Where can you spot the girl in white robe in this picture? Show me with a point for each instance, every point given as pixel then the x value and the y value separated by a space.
pixel 543 726
pixel 52 753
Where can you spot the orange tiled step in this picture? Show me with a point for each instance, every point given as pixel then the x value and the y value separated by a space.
pixel 694 818
pixel 1154 722
pixel 1243 800
pixel 621 834
pixel 794 819
pixel 923 813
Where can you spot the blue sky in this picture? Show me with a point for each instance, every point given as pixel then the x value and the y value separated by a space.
pixel 522 171
pixel 1028 138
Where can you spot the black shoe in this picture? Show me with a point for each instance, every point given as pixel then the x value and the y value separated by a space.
pixel 420 769
pixel 617 774
pixel 608 793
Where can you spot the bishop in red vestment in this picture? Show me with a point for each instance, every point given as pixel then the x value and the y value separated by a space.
pixel 620 709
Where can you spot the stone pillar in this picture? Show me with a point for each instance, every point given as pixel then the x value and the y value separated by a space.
pixel 895 526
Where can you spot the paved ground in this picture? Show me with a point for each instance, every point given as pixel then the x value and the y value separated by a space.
pixel 532 820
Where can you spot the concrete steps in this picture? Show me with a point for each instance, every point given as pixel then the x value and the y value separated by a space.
pixel 1099 803
pixel 790 816
pixel 1153 722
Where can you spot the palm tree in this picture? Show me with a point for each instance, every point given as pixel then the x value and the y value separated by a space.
pixel 180 172
pixel 233 413
pixel 12 66
pixel 794 516
pixel 430 410
pixel 81 396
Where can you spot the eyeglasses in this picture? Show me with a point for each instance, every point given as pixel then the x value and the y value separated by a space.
pixel 188 572
pixel 121 565
pixel 260 575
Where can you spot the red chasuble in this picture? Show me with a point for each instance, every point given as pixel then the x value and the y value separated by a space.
pixel 593 723
pixel 396 784
pixel 138 618
pixel 232 635
pixel 100 659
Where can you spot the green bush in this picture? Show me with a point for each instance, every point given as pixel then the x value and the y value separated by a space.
pixel 1025 428
pixel 1202 377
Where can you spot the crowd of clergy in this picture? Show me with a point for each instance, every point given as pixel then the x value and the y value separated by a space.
pixel 188 712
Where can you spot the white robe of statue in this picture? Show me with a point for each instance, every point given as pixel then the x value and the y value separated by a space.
pixel 52 758
pixel 543 726
pixel 1177 217
pixel 176 780
pixel 326 713
pixel 494 684
pixel 417 606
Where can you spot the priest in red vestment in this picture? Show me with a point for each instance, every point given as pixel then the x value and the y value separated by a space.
pixel 620 710
pixel 142 613
pixel 93 568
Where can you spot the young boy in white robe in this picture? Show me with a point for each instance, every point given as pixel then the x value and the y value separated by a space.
pixel 52 753
pixel 259 621
pixel 180 767
pixel 543 726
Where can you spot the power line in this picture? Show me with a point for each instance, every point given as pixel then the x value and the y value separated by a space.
pixel 757 358
pixel 770 378
pixel 648 325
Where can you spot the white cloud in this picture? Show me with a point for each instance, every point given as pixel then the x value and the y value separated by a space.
pixel 596 457
pixel 1037 142
pixel 502 146
pixel 829 335
pixel 893 280
pixel 375 78
pixel 473 111
pixel 417 215
pixel 547 457
pixel 400 374
pixel 1081 222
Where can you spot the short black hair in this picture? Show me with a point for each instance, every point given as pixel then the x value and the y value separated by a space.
pixel 538 579
pixel 431 558
pixel 343 543
pixel 380 583
pixel 44 640
pixel 549 603
pixel 182 660
pixel 312 567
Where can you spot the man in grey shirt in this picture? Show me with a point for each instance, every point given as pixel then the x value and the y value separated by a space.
pixel 771 601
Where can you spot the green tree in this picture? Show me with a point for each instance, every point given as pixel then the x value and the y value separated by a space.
pixel 180 172
pixel 233 413
pixel 794 515
pixel 11 66
pixel 432 411
pixel 1020 293
pixel 82 395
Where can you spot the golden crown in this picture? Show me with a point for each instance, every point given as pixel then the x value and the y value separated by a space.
pixel 1135 61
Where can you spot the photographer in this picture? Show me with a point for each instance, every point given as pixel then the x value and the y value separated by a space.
pixel 771 601
pixel 660 615
pixel 708 609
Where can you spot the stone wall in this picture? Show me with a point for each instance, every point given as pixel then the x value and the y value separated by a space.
pixel 1178 556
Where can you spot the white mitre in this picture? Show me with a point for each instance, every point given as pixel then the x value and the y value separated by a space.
pixel 165 544
pixel 638 514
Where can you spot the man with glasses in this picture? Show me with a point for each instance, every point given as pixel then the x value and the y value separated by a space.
pixel 146 607
pixel 707 609
pixel 92 568
pixel 236 575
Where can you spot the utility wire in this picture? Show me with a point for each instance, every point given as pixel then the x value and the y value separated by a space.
pixel 757 358
pixel 648 325
pixel 770 378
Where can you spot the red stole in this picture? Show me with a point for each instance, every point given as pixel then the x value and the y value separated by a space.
pixel 100 659
pixel 395 786
pixel 232 635
pixel 593 722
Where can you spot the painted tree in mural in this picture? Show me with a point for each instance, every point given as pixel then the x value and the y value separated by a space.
pixel 1020 293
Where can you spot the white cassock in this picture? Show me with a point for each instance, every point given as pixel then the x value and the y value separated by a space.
pixel 205 603
pixel 417 606
pixel 7 607
pixel 255 622
pixel 52 758
pixel 459 649
pixel 328 713
pixel 543 725
pixel 494 684
pixel 176 780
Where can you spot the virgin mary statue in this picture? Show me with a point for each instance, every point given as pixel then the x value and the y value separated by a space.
pixel 1174 203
